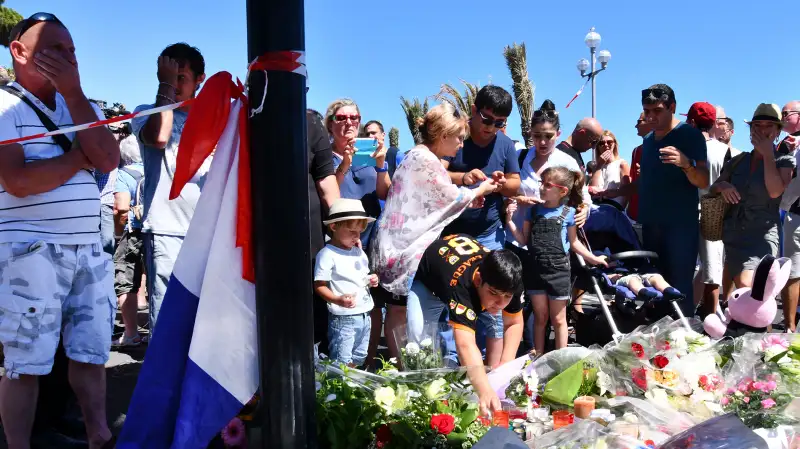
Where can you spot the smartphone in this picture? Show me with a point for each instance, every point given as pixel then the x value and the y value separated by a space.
pixel 365 147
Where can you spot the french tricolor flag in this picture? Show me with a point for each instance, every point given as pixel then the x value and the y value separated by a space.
pixel 201 367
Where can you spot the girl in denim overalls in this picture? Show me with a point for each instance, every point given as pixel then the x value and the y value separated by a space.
pixel 549 232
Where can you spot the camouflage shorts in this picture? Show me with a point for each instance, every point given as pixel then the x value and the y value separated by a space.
pixel 47 289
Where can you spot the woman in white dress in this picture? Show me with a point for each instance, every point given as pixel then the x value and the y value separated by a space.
pixel 612 171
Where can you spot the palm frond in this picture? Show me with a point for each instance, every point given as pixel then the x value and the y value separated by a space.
pixel 524 90
pixel 461 101
pixel 414 110
pixel 394 137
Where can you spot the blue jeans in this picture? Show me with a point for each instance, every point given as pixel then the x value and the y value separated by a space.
pixel 677 247
pixel 107 229
pixel 160 252
pixel 423 308
pixel 491 325
pixel 348 337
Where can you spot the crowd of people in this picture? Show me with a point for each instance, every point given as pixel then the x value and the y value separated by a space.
pixel 467 231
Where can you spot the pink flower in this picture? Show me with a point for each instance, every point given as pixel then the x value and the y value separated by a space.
pixel 770 386
pixel 742 387
pixel 774 340
pixel 768 403
pixel 757 386
pixel 746 399
pixel 772 377
pixel 233 435
pixel 724 401
pixel 730 391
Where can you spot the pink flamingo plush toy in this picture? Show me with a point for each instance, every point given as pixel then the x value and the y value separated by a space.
pixel 752 309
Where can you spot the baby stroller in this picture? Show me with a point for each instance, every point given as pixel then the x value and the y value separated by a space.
pixel 609 231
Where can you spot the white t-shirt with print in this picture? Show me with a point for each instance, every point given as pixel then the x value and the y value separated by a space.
pixel 69 214
pixel 530 183
pixel 347 272
pixel 716 152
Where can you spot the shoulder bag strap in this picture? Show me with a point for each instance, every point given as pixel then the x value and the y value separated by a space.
pixel 62 140
pixel 522 155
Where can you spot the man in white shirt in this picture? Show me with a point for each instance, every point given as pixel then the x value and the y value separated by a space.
pixel 703 116
pixel 54 275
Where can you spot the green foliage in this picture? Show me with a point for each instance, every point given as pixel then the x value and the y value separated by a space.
pixel 523 88
pixel 415 111
pixel 8 18
pixel 394 137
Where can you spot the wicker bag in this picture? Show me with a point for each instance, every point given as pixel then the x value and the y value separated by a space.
pixel 713 207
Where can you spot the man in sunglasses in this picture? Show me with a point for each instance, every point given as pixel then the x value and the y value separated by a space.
pixel 673 169
pixel 791 228
pixel 584 137
pixel 55 276
pixel 180 72
pixel 487 153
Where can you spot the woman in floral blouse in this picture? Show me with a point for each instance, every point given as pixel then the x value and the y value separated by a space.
pixel 421 202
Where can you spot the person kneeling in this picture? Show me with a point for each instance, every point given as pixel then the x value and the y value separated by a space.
pixel 341 278
pixel 459 277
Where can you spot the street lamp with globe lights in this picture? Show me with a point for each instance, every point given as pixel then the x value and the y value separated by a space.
pixel 592 41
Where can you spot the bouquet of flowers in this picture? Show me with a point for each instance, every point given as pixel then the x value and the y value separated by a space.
pixel 385 410
pixel 420 352
pixel 756 401
pixel 675 337
pixel 524 387
pixel 584 377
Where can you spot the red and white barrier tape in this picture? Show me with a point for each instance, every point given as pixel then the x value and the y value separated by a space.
pixel 288 61
pixel 121 118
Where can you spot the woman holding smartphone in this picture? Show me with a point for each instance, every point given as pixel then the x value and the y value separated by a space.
pixel 368 183
pixel 752 183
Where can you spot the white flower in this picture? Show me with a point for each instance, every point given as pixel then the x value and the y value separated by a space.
pixel 393 360
pixel 317 385
pixel 426 343
pixel 330 397
pixel 412 348
pixel 435 388
pixel 604 382
pixel 385 396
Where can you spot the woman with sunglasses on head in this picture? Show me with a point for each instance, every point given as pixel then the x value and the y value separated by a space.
pixel 368 183
pixel 545 130
pixel 612 171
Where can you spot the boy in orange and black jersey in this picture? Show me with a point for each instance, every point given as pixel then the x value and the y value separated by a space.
pixel 458 275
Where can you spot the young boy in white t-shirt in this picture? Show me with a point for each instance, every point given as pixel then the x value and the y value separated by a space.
pixel 342 279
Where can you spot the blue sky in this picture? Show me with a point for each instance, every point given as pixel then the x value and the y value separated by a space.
pixel 736 53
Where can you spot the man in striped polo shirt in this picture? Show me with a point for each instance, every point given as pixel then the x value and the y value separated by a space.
pixel 54 276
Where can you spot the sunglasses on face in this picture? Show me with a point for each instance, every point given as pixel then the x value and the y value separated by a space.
pixel 655 96
pixel 640 123
pixel 25 25
pixel 497 122
pixel 606 143
pixel 552 115
pixel 543 136
pixel 787 114
pixel 550 185
pixel 339 118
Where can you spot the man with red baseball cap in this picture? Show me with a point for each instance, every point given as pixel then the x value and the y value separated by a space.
pixel 703 116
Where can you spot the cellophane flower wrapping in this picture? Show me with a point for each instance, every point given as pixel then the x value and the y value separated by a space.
pixel 722 432
pixel 755 392
pixel 423 351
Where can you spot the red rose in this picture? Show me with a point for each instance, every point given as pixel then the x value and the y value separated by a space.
pixel 443 423
pixel 639 376
pixel 446 404
pixel 384 434
pixel 638 350
pixel 649 443
pixel 660 361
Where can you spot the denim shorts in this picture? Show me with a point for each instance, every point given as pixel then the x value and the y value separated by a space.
pixel 348 337
pixel 492 325
pixel 49 289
